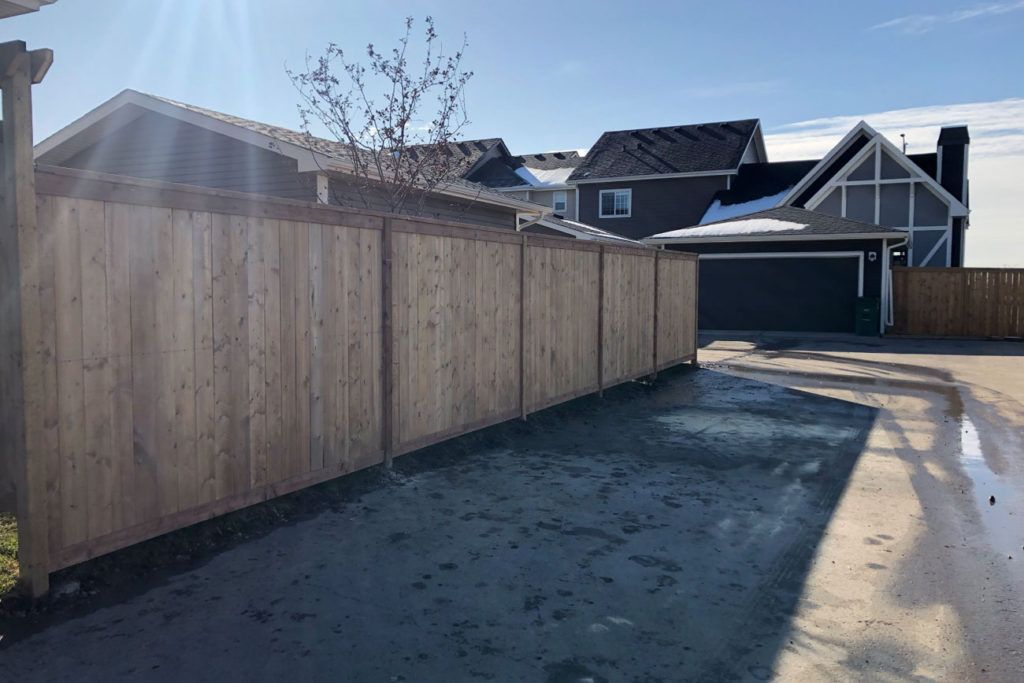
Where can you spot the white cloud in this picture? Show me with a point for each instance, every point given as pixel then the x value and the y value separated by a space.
pixel 917 24
pixel 733 89
pixel 996 235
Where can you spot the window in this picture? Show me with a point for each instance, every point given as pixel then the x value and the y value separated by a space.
pixel 558 201
pixel 615 203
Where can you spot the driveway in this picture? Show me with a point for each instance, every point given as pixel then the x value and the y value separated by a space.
pixel 794 509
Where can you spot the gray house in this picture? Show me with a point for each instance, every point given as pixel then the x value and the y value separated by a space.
pixel 644 181
pixel 145 136
pixel 795 245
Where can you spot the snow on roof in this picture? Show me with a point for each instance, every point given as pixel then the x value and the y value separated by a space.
pixel 543 177
pixel 717 212
pixel 751 226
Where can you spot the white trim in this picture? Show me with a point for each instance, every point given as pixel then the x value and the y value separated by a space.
pixel 611 237
pixel 753 239
pixel 655 176
pixel 826 160
pixel 554 200
pixel 884 294
pixel 859 255
pixel 323 188
pixel 956 207
pixel 629 206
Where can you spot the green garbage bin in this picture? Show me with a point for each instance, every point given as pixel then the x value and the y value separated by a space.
pixel 868 310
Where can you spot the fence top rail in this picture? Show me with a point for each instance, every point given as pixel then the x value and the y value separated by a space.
pixel 83 184
pixel 919 269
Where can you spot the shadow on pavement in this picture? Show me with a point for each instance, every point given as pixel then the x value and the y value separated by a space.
pixel 661 533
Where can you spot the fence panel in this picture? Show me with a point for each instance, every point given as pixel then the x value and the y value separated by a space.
pixel 628 314
pixel 958 302
pixel 561 338
pixel 188 352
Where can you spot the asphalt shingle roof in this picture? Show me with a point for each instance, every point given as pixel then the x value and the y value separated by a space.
pixel 805 223
pixel 551 160
pixel 467 151
pixel 693 148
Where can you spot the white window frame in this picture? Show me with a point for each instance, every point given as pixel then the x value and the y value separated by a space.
pixel 565 201
pixel 629 203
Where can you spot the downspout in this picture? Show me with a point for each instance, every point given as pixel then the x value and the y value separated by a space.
pixel 887 279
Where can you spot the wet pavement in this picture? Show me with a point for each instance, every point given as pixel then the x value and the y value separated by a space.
pixel 795 509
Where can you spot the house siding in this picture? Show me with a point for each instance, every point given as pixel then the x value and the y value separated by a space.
pixel 158 147
pixel 658 205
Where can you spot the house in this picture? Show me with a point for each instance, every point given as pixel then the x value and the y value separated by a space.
pixel 794 245
pixel 145 136
pixel 640 182
pixel 541 178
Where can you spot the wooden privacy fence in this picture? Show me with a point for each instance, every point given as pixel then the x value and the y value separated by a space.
pixel 188 352
pixel 958 302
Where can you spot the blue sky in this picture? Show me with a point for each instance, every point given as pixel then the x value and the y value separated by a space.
pixel 553 76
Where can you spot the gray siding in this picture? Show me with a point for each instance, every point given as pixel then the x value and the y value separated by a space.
pixel 161 148
pixel 658 205
pixel 158 147
pixel 545 198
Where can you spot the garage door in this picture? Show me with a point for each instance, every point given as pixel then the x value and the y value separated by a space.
pixel 799 292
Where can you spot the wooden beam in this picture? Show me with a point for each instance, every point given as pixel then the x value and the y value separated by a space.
pixel 522 329
pixel 654 354
pixel 600 322
pixel 19 298
pixel 40 60
pixel 387 345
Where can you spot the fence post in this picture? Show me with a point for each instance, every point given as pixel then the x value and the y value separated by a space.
pixel 19 70
pixel 654 352
pixel 522 328
pixel 387 346
pixel 600 322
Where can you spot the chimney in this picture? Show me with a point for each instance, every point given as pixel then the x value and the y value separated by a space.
pixel 952 160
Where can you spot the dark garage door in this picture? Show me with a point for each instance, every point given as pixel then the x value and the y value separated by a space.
pixel 805 294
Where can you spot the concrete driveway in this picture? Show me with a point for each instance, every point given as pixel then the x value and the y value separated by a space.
pixel 795 509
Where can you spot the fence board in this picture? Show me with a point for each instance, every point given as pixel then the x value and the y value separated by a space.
pixel 192 357
pixel 958 302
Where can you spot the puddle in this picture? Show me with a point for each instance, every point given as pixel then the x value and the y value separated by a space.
pixel 1004 519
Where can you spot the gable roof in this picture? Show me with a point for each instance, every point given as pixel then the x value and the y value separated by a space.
pixel 669 151
pixel 779 223
pixel 839 158
pixel 311 153
pixel 756 187
pixel 466 153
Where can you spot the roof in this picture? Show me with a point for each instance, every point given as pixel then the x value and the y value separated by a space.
pixel 758 181
pixel 584 231
pixel 927 162
pixel 312 153
pixel 782 221
pixel 551 160
pixel 670 150
pixel 497 173
pixel 466 153
pixel 12 8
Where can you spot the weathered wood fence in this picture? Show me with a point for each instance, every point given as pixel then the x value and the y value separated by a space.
pixel 188 352
pixel 958 302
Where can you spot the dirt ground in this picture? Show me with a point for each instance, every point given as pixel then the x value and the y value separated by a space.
pixel 794 509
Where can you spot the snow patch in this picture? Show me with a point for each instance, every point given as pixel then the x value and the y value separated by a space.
pixel 750 226
pixel 540 177
pixel 717 212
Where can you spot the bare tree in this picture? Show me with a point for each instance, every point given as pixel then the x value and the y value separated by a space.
pixel 394 122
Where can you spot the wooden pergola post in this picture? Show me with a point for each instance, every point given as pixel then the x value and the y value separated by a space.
pixel 19 70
